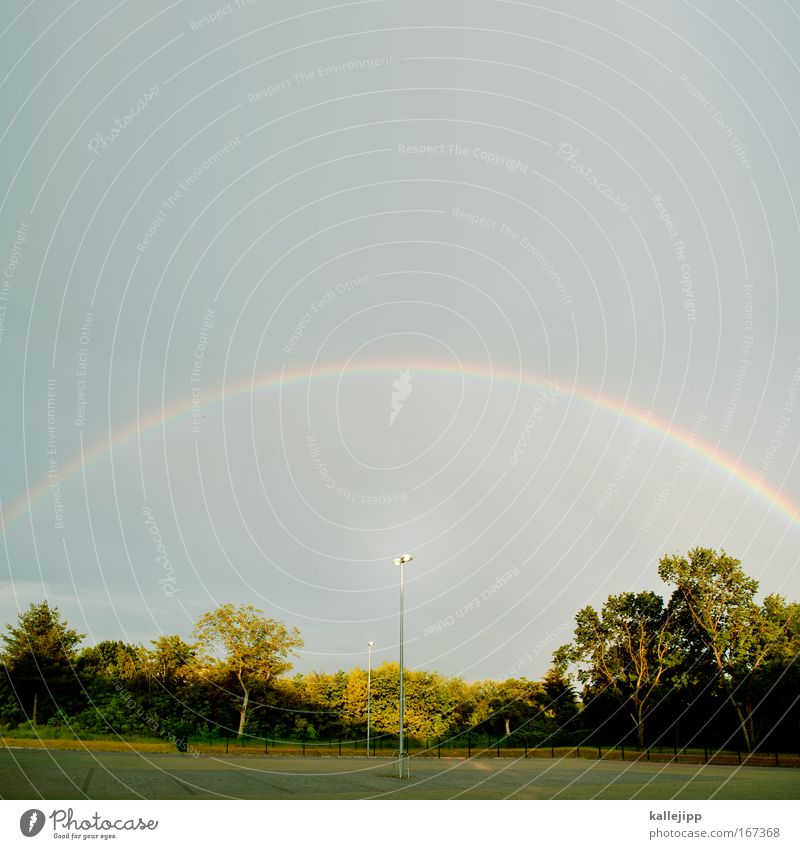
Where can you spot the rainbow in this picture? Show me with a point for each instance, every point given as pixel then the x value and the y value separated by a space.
pixel 773 496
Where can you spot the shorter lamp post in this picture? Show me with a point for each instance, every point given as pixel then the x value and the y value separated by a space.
pixel 370 644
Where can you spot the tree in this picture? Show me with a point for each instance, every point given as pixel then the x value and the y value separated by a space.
pixel 626 650
pixel 518 701
pixel 319 700
pixel 726 631
pixel 776 684
pixel 562 703
pixel 254 649
pixel 354 711
pixel 39 655
pixel 110 659
pixel 169 660
pixel 429 704
pixel 429 701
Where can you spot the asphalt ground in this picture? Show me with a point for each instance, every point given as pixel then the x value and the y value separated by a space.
pixel 51 774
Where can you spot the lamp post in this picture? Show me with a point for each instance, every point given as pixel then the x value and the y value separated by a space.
pixel 370 644
pixel 401 562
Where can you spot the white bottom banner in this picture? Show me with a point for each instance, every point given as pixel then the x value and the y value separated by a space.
pixel 390 824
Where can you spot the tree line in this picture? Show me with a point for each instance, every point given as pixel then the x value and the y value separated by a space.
pixel 708 666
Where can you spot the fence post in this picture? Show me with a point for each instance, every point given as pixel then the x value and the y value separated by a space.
pixel 226 745
pixel 526 747
pixel 266 741
pixel 599 754
pixel 578 750
pixel 623 752
pixel 498 747
pixel 552 751
pixel 648 753
pixel 440 748
pixel 340 747
pixel 469 746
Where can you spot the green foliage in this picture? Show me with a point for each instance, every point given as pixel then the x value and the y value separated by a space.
pixel 627 649
pixel 707 665
pixel 40 634
pixel 562 701
pixel 169 662
pixel 711 642
pixel 430 701
pixel 39 655
pixel 242 644
pixel 724 630
pixel 109 662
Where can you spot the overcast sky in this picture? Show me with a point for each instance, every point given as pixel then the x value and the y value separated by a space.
pixel 291 288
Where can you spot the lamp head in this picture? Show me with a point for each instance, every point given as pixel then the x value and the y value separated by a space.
pixel 403 558
pixel 371 643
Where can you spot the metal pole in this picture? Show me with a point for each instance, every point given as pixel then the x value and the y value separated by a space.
pixel 401 561
pixel 402 694
pixel 369 688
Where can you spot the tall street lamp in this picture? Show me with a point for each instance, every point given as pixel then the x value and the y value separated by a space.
pixel 401 562
pixel 370 644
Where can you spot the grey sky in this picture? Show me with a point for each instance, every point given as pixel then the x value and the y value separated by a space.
pixel 227 230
